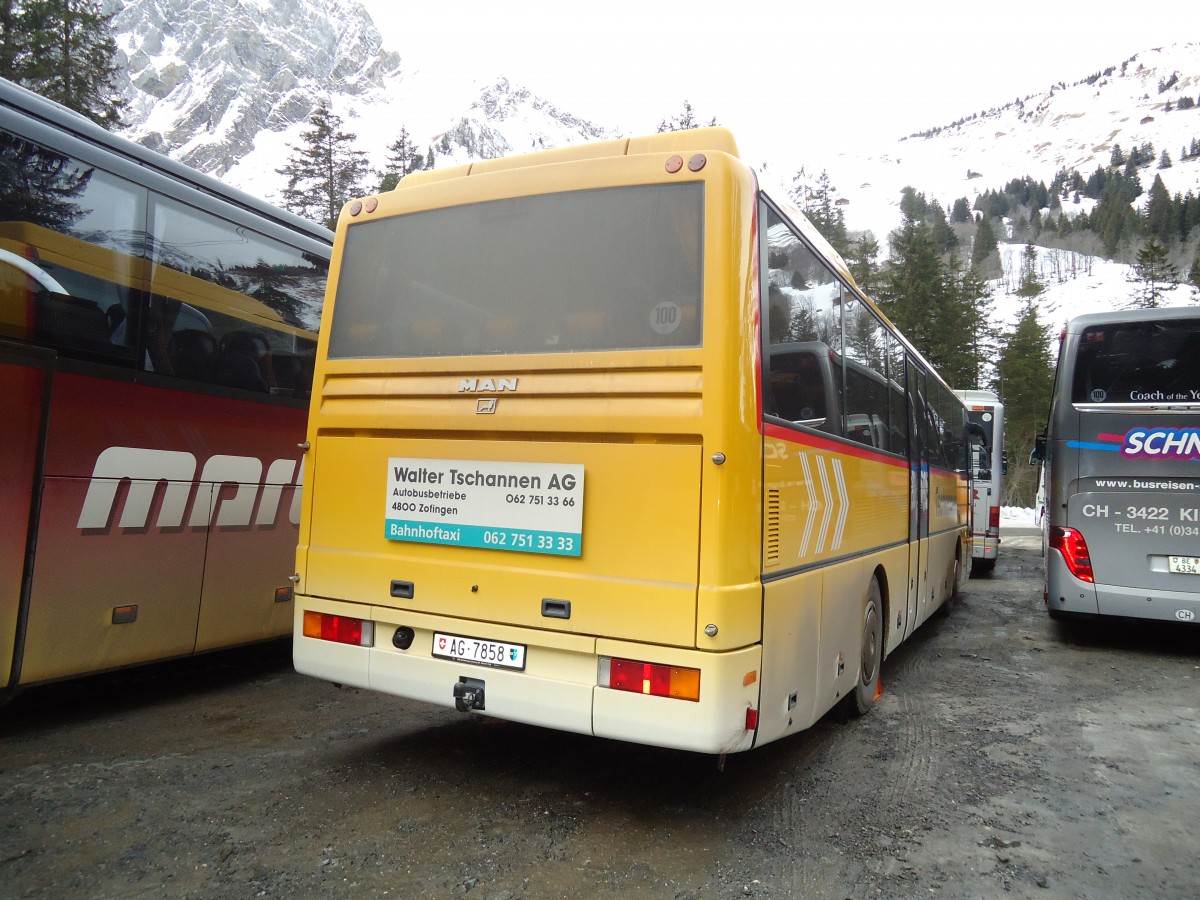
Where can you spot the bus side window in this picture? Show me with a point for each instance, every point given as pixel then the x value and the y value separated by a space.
pixel 240 363
pixel 52 249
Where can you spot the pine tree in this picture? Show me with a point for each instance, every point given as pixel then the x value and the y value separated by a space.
pixel 402 159
pixel 10 40
pixel 919 292
pixel 981 337
pixel 325 172
pixel 1031 281
pixel 684 121
pixel 1194 277
pixel 944 237
pixel 913 206
pixel 861 258
pixel 1024 381
pixel 1153 276
pixel 822 210
pixel 985 242
pixel 65 51
pixel 1162 218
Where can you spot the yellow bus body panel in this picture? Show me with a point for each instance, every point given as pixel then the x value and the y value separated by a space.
pixel 636 577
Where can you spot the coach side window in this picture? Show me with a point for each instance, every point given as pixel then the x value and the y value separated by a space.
pixel 802 372
pixel 230 306
pixel 70 253
pixel 867 399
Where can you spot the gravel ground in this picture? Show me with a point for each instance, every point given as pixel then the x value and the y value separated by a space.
pixel 1009 755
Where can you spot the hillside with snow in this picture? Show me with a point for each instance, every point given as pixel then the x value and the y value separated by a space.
pixel 228 85
pixel 1074 284
pixel 1072 127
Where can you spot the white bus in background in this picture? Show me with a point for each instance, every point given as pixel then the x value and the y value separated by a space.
pixel 988 467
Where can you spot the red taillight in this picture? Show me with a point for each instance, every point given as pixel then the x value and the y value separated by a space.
pixel 1074 550
pixel 339 629
pixel 994 517
pixel 650 678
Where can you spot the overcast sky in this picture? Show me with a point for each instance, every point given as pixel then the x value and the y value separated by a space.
pixel 822 75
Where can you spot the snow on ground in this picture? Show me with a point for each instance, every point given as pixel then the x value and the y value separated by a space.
pixel 1017 517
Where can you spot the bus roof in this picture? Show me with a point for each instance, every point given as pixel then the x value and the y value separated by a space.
pixel 70 122
pixel 978 396
pixel 1119 316
pixel 696 140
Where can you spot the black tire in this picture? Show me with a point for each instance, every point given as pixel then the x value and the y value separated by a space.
pixel 956 575
pixel 859 701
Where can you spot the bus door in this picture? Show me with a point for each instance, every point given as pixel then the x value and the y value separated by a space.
pixel 918 497
pixel 25 375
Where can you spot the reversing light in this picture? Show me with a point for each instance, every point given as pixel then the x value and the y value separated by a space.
pixel 653 679
pixel 339 629
pixel 1074 550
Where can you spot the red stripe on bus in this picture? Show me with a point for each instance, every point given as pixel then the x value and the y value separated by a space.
pixel 850 449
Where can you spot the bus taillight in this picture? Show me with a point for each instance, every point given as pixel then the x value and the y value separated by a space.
pixel 1074 550
pixel 994 518
pixel 650 678
pixel 339 629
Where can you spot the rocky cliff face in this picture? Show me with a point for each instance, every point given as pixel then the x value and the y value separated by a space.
pixel 207 76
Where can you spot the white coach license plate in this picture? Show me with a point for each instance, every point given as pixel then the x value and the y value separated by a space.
pixel 479 651
pixel 1184 565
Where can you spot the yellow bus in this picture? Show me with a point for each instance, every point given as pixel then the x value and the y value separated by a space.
pixel 606 439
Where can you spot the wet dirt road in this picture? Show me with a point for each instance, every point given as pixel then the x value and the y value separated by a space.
pixel 1009 755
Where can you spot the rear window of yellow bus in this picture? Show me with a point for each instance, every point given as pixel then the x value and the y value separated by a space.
pixel 606 269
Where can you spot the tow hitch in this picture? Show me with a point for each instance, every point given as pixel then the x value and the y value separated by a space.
pixel 468 694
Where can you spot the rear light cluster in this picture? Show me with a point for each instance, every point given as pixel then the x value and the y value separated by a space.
pixel 339 629
pixel 994 518
pixel 650 678
pixel 1074 550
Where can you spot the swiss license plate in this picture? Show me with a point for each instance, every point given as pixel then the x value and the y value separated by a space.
pixel 479 651
pixel 1184 565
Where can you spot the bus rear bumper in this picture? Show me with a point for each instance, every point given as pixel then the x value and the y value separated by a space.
pixel 1139 603
pixel 985 546
pixel 1067 595
pixel 559 686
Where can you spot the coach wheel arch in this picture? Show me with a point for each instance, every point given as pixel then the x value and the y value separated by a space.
pixel 870 661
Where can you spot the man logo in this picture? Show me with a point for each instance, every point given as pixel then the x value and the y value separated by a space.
pixel 485 407
pixel 486 385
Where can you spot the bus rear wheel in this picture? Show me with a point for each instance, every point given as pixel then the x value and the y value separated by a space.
pixel 858 702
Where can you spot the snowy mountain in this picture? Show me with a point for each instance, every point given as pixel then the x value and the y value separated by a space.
pixel 228 85
pixel 1068 127
pixel 208 77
